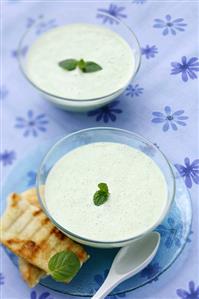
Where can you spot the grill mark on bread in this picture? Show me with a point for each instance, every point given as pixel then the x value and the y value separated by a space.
pixel 36 213
pixel 13 207
pixel 23 221
pixel 14 241
pixel 13 223
pixel 28 223
pixel 15 198
pixel 45 221
pixel 29 249
pixel 37 233
pixel 59 235
pixel 55 242
pixel 37 220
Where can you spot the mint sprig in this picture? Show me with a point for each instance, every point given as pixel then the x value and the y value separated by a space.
pixel 85 66
pixel 101 196
pixel 63 266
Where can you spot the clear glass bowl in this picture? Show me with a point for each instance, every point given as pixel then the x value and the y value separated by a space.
pixel 32 34
pixel 108 134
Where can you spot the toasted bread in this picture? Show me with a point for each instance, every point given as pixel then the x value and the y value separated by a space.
pixel 27 231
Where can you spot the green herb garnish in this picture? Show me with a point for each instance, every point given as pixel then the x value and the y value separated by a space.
pixel 101 196
pixel 68 64
pixel 63 266
pixel 84 66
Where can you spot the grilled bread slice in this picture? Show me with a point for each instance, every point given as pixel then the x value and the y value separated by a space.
pixel 31 274
pixel 27 232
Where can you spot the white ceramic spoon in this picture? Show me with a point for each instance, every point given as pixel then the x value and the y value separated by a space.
pixel 129 261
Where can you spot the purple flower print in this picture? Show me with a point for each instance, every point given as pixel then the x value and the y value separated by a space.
pixel 1 279
pixel 7 157
pixel 99 279
pixel 33 124
pixel 169 119
pixel 151 270
pixel 170 26
pixel 106 113
pixel 192 293
pixel 171 233
pixel 134 90
pixel 187 68
pixel 3 92
pixel 31 177
pixel 22 52
pixel 190 172
pixel 149 52
pixel 45 295
pixel 114 11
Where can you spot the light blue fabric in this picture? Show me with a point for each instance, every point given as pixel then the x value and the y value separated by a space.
pixel 152 108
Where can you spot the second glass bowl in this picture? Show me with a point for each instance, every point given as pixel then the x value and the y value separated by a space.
pixel 94 135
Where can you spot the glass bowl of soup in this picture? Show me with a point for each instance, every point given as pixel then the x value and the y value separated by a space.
pixel 135 176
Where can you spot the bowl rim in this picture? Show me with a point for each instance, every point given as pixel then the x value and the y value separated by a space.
pixel 59 98
pixel 97 242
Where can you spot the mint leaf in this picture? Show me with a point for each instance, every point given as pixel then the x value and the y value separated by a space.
pixel 68 64
pixel 91 67
pixel 101 196
pixel 63 266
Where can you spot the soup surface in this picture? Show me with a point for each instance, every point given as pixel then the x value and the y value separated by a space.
pixel 138 192
pixel 80 41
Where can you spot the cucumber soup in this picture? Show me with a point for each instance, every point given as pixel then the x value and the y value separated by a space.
pixel 137 187
pixel 80 41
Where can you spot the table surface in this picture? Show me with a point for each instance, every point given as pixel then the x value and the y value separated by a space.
pixel 160 104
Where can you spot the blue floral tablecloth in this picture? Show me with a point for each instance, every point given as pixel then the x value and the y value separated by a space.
pixel 161 104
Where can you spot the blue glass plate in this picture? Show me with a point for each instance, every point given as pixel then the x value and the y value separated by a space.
pixel 174 232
